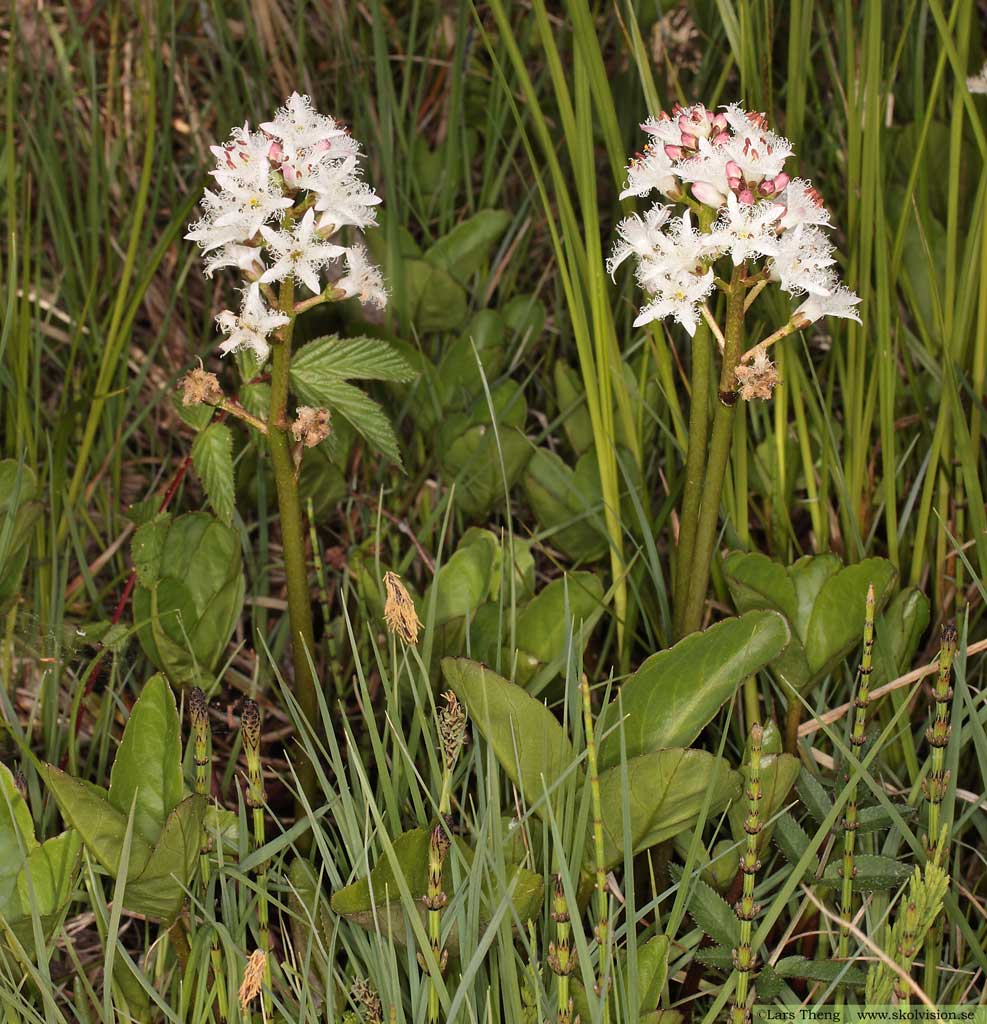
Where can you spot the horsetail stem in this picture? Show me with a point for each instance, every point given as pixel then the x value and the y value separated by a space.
pixel 858 737
pixel 198 712
pixel 745 908
pixel 435 900
pixel 934 788
pixel 250 725
pixel 602 924
pixel 560 959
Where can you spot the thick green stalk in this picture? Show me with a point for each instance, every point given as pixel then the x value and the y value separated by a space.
pixel 695 472
pixel 435 900
pixel 935 790
pixel 719 454
pixel 857 739
pixel 746 909
pixel 293 546
pixel 602 915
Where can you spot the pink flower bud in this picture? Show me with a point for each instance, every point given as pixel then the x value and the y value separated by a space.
pixel 720 138
pixel 720 121
pixel 781 180
pixel 746 196
pixel 689 141
pixel 708 194
pixel 733 169
pixel 673 152
pixel 275 152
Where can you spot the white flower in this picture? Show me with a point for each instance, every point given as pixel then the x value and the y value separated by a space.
pixel 638 236
pixel 251 328
pixel 679 298
pixel 745 231
pixel 343 198
pixel 244 160
pixel 803 205
pixel 978 82
pixel 299 125
pixel 300 253
pixel 362 278
pixel 802 261
pixel 653 170
pixel 840 303
pixel 707 171
pixel 243 257
pixel 249 206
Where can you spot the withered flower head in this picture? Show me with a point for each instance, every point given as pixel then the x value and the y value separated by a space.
pixel 757 380
pixel 311 425
pixel 365 996
pixel 253 978
pixel 399 610
pixel 200 387
pixel 452 728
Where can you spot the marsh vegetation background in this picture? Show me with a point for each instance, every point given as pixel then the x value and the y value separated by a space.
pixel 583 779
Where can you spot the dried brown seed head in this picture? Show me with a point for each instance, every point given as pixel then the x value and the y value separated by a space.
pixel 200 387
pixel 399 610
pixel 311 426
pixel 758 379
pixel 364 994
pixel 452 729
pixel 253 978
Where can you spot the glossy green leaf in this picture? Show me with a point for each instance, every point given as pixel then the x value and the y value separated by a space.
pixel 16 839
pixel 375 902
pixel 898 632
pixel 434 300
pixel 148 762
pixel 463 582
pixel 459 379
pixel 564 606
pixel 470 243
pixel 675 693
pixel 51 867
pixel 212 456
pixel 100 825
pixel 158 891
pixel 666 790
pixel 876 818
pixel 873 873
pixel 566 504
pixel 189 595
pixel 837 621
pixel 480 460
pixel 526 739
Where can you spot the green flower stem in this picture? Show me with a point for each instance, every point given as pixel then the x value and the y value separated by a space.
pixel 435 900
pixel 695 471
pixel 560 959
pixel 719 454
pixel 850 823
pixel 293 546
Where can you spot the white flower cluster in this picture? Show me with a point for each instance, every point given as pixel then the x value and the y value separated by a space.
pixel 731 163
pixel 978 82
pixel 284 193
